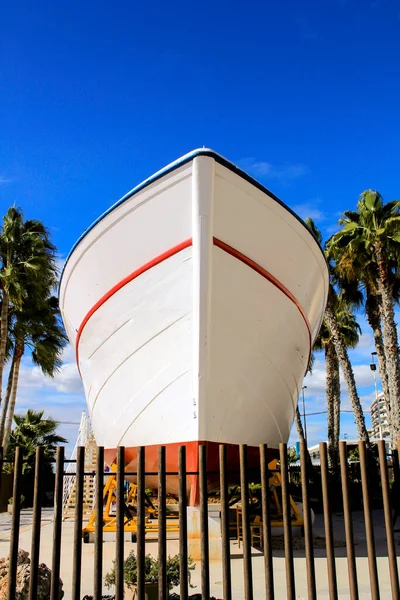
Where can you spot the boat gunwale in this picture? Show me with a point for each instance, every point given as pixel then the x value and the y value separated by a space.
pixel 172 167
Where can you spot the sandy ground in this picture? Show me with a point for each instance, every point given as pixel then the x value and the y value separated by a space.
pixel 215 569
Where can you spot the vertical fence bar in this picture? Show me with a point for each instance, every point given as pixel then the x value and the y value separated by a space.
pixel 308 533
pixel 119 539
pixel 395 459
pixel 205 554
pixel 266 520
pixel 183 548
pixel 1 466
pixel 398 457
pixel 58 510
pixel 36 524
pixel 396 465
pixel 396 476
pixel 16 517
pixel 141 515
pixel 98 534
pixel 226 550
pixel 348 522
pixel 162 526
pixel 394 575
pixel 244 486
pixel 287 523
pixel 330 550
pixel 369 528
pixel 77 558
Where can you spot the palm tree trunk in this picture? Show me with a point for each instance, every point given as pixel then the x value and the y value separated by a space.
pixel 7 399
pixel 390 341
pixel 348 374
pixel 300 433
pixel 299 425
pixel 336 410
pixel 374 319
pixel 19 350
pixel 3 336
pixel 329 350
pixel 332 380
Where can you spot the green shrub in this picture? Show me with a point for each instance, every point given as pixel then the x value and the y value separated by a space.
pixel 11 500
pixel 151 571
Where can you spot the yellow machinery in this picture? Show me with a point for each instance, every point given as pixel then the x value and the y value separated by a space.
pixel 130 519
pixel 276 512
pixel 275 484
pixel 151 524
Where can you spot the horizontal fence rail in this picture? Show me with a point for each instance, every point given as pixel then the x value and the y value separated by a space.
pixel 205 522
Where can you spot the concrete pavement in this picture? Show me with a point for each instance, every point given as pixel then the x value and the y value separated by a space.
pixel 215 568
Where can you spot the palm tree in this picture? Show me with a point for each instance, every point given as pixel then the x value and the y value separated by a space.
pixel 27 258
pixel 330 317
pixel 358 281
pixel 340 344
pixel 38 328
pixel 7 396
pixel 299 425
pixel 32 430
pixel 373 232
pixel 324 342
pixel 374 319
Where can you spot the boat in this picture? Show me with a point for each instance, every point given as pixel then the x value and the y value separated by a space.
pixel 192 305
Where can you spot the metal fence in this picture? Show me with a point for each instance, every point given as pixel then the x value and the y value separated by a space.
pixel 326 479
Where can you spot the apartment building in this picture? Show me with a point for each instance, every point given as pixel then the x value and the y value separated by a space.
pixel 379 417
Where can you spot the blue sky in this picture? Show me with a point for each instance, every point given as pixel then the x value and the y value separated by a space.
pixel 96 96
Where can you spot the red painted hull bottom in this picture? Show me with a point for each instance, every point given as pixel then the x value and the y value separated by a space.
pixel 192 465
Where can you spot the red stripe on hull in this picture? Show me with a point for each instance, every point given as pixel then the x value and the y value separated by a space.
pixel 269 277
pixel 192 465
pixel 152 263
pixel 171 252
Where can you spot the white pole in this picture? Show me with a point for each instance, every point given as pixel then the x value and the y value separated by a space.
pixel 304 414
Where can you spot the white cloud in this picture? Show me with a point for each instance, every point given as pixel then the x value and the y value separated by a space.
pixel 266 170
pixel 310 210
pixel 316 432
pixel 61 397
pixel 66 381
pixel 316 381
pixel 4 179
pixel 68 354
pixel 68 414
pixel 366 342
pixel 362 374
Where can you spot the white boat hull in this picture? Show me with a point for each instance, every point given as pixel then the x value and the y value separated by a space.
pixel 193 305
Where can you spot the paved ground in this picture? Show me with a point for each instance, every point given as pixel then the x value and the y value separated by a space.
pixel 215 571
